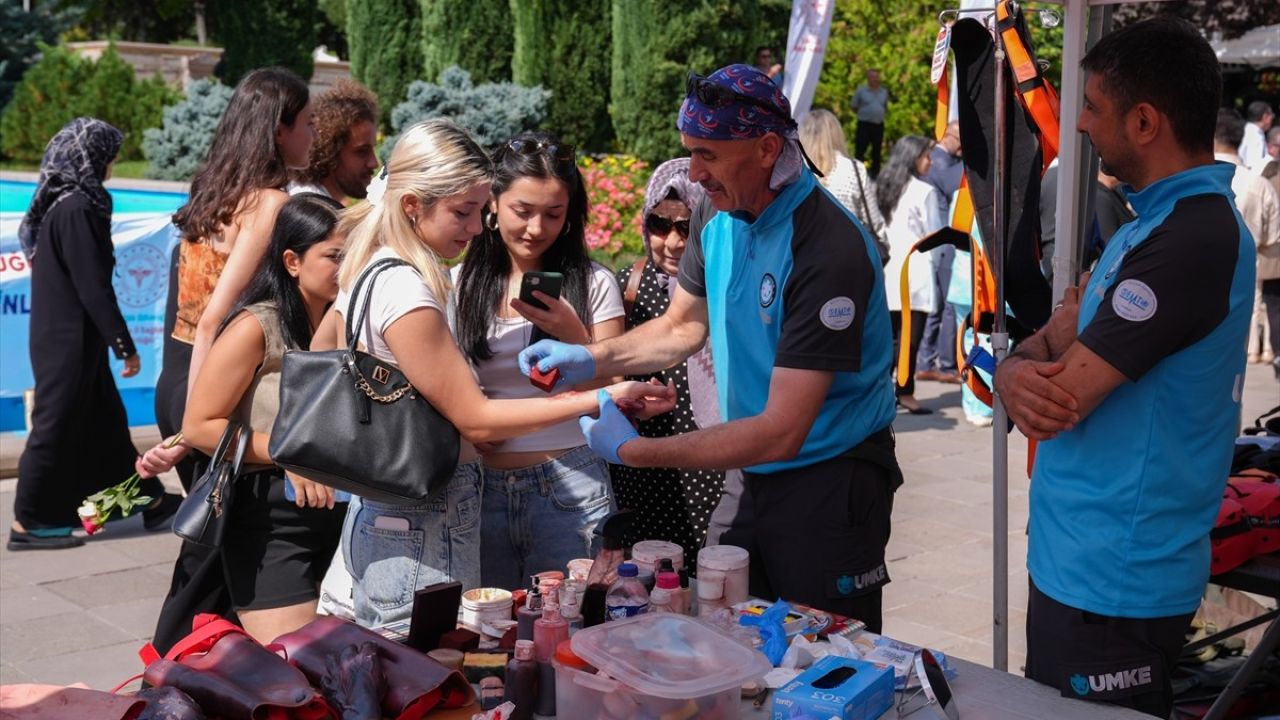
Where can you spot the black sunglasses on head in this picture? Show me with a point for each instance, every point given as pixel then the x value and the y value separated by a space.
pixel 713 95
pixel 533 147
pixel 658 225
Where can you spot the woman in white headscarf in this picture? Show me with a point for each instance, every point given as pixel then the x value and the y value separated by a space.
pixel 670 504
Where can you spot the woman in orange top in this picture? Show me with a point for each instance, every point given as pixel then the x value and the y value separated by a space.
pixel 226 228
pixel 225 225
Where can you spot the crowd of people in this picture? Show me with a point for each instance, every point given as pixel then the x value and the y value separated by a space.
pixel 751 348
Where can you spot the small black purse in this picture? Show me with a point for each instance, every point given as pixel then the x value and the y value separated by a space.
pixel 202 517
pixel 355 423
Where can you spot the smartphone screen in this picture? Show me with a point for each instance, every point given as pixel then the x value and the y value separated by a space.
pixel 546 282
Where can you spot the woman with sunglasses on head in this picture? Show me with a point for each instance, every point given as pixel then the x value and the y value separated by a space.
pixel 545 490
pixel 670 504
pixel 426 207
pixel 911 207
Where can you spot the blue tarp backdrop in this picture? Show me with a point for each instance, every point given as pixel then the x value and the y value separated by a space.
pixel 144 237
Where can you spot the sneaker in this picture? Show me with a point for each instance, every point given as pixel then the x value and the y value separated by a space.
pixel 159 516
pixel 981 421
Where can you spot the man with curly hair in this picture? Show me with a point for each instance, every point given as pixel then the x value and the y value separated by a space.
pixel 342 158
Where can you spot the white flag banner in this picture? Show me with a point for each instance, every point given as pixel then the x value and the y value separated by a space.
pixel 806 48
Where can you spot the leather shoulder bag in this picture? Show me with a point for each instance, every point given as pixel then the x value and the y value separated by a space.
pixel 355 423
pixel 202 517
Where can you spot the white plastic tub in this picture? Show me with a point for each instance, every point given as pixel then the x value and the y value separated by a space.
pixel 656 667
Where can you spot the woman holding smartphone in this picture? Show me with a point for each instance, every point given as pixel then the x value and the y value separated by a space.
pixel 543 490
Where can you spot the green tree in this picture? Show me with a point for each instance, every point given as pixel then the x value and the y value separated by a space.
pixel 655 44
pixel 258 34
pixel 475 35
pixel 554 35
pixel 898 43
pixel 111 93
pixel 385 37
pixel 21 32
pixel 157 21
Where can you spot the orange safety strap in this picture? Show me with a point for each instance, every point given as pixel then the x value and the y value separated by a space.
pixel 943 108
pixel 1037 95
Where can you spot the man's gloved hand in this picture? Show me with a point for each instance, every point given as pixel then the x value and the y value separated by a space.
pixel 574 361
pixel 607 434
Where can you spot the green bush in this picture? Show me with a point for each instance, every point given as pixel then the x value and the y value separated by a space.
pixel 476 36
pixel 491 112
pixel 259 34
pixel 565 46
pixel 385 38
pixel 21 32
pixel 175 149
pixel 655 44
pixel 63 86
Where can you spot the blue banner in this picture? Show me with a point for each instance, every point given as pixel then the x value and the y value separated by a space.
pixel 143 241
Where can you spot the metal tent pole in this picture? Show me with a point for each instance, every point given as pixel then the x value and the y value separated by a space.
pixel 1000 344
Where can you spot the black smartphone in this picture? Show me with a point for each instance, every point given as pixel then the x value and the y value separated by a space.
pixel 546 282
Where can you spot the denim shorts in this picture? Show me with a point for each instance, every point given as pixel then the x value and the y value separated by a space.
pixel 540 517
pixel 394 550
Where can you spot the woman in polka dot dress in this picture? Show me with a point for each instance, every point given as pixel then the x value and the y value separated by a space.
pixel 669 504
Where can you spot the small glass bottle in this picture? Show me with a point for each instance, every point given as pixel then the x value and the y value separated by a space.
pixel 526 615
pixel 626 597
pixel 548 632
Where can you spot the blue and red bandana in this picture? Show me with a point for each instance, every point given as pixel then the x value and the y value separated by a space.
pixel 718 112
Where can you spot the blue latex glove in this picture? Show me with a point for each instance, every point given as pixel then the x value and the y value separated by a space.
pixel 607 434
pixel 772 627
pixel 575 361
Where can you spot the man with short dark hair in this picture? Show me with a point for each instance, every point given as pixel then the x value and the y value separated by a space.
pixel 1133 387
pixel 343 155
pixel 1253 146
pixel 788 285
pixel 766 65
pixel 870 101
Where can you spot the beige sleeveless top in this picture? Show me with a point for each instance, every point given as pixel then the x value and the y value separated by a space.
pixel 261 402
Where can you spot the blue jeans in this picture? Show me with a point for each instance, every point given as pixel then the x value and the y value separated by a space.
pixel 394 550
pixel 540 517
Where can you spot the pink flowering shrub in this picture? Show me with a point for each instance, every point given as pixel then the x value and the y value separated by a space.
pixel 615 189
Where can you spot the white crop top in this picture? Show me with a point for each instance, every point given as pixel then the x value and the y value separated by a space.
pixel 500 375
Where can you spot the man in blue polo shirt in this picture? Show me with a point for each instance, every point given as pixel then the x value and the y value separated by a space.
pixel 788 286
pixel 1134 385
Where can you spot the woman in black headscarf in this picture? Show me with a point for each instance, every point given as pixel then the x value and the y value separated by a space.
pixel 79 442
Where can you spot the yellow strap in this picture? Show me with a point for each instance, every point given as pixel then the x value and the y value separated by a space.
pixel 904 338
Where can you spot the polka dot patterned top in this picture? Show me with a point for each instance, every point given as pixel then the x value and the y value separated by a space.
pixel 670 504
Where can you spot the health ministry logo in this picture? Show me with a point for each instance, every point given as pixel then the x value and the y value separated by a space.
pixel 142 274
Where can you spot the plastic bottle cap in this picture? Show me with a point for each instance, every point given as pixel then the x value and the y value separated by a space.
pixel 628 570
pixel 668 581
pixel 524 649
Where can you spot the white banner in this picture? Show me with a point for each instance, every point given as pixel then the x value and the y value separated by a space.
pixel 806 48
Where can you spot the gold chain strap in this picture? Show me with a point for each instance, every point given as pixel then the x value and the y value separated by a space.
pixel 400 392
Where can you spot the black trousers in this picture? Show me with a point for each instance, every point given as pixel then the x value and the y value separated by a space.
pixel 869 135
pixel 918 319
pixel 1122 661
pixel 1271 298
pixel 817 534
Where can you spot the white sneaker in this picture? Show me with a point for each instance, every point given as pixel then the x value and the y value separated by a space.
pixel 979 420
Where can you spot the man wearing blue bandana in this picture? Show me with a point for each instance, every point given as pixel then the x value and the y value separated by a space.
pixel 788 286
pixel 1133 388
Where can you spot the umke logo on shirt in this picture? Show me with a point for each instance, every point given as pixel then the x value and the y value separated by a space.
pixel 837 313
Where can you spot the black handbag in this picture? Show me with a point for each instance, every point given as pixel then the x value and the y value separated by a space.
pixel 355 423
pixel 202 517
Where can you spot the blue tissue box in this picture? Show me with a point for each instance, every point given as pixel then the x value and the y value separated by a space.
pixel 836 687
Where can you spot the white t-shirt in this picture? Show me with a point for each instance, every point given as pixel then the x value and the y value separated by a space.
pixel 500 375
pixel 916 216
pixel 397 291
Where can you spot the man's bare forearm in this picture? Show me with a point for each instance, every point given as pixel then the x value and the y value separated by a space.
pixel 1034 348
pixel 655 345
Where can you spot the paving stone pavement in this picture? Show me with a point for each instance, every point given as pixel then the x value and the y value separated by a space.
pixel 80 615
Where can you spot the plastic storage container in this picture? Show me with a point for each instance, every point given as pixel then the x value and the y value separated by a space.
pixel 656 666
pixel 733 562
pixel 485 605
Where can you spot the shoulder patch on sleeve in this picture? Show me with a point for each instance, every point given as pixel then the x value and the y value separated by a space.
pixel 1134 300
pixel 837 313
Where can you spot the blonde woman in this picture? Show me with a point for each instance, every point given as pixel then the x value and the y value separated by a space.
pixel 427 206
pixel 823 139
